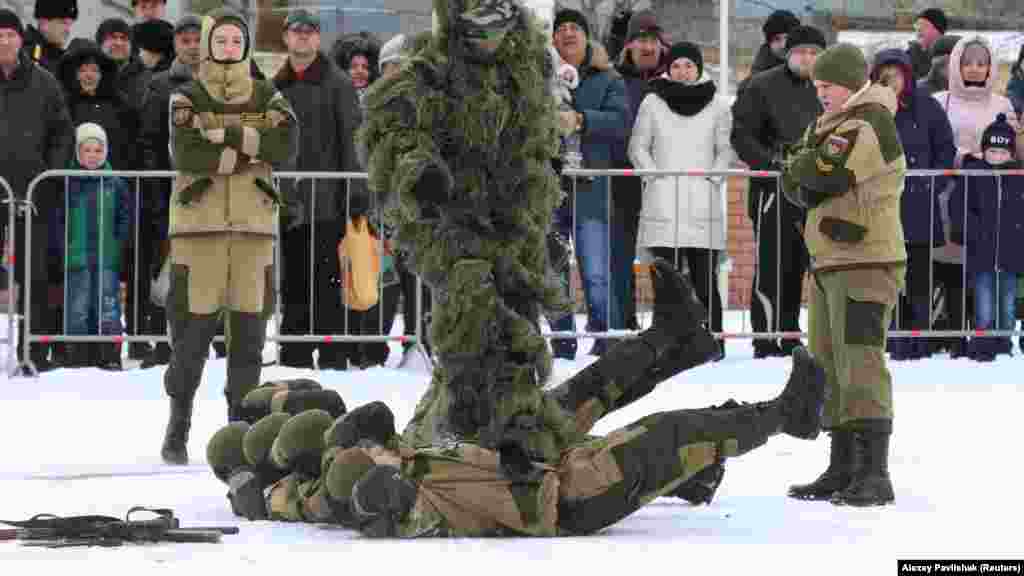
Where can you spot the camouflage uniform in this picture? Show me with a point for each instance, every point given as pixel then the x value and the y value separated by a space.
pixel 222 224
pixel 849 172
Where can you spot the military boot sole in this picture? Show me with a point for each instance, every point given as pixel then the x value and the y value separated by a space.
pixel 870 491
pixel 804 396
pixel 825 488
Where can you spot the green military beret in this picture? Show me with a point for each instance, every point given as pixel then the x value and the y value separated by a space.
pixel 224 451
pixel 300 443
pixel 260 438
pixel 298 401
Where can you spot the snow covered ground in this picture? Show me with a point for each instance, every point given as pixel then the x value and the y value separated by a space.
pixel 87 441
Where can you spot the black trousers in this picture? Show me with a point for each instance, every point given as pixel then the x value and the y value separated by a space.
pixel 44 318
pixel 626 204
pixel 950 277
pixel 703 265
pixel 325 291
pixel 377 321
pixel 781 264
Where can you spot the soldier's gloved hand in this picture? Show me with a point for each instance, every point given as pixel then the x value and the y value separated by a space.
pixel 246 495
pixel 373 421
pixel 433 186
pixel 381 499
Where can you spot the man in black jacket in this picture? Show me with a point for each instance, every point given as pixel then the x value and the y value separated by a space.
pixel 325 102
pixel 38 136
pixel 776 30
pixel 45 43
pixel 772 112
pixel 114 37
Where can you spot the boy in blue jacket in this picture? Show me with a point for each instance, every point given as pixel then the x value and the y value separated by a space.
pixel 987 214
pixel 97 223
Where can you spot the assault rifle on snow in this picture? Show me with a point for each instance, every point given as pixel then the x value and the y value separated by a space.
pixel 49 531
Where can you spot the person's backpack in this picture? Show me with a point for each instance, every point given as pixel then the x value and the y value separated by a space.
pixel 362 257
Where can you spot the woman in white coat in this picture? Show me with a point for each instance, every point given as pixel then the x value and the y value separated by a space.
pixel 683 125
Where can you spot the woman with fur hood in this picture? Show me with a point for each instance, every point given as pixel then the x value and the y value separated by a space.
pixel 682 219
pixel 971 105
pixel 358 55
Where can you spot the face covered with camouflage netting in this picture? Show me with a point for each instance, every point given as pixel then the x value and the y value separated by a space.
pixel 459 144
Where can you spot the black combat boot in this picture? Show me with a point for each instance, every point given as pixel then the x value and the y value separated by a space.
pixel 837 476
pixel 804 396
pixel 175 439
pixel 871 485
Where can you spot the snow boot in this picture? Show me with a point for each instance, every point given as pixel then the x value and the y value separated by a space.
pixel 837 476
pixel 803 399
pixel 176 437
pixel 871 485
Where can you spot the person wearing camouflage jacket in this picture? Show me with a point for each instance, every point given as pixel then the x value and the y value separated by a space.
pixel 228 131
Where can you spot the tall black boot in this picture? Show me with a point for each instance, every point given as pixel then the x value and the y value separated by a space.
pixel 246 336
pixel 871 485
pixel 176 438
pixel 837 476
pixel 676 341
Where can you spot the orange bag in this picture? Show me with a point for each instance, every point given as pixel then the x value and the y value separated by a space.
pixel 359 256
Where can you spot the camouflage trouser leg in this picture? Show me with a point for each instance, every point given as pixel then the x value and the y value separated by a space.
pixel 605 480
pixel 848 322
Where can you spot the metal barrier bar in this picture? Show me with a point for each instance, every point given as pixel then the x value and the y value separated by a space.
pixel 10 242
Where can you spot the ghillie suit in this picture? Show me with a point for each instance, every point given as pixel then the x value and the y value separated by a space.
pixel 459 144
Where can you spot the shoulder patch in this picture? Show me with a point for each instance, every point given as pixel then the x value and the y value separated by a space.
pixel 182 113
pixel 884 125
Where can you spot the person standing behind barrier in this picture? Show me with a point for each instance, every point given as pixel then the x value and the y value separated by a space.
pixel 848 171
pixel 599 119
pixel 39 136
pixel 994 207
pixel 155 198
pixel 682 219
pixel 929 26
pixel 223 219
pixel 114 37
pixel 325 102
pixel 97 224
pixel 937 79
pixel 927 140
pixel 643 58
pixel 971 105
pixel 358 54
pixel 772 53
pixel 770 114
pixel 44 43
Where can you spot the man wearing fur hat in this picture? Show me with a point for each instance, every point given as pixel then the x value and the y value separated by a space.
pixel 848 172
pixel 776 30
pixel 769 114
pixel 38 135
pixel 155 42
pixel 114 37
pixel 45 43
pixel 228 131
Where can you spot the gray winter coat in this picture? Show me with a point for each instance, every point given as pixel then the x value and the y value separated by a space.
pixel 325 102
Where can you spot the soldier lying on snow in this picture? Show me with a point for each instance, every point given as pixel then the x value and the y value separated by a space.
pixel 356 471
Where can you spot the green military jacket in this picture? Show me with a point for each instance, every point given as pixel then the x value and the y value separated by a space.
pixel 849 171
pixel 227 186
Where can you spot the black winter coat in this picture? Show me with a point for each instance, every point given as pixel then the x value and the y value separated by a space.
pixel 994 230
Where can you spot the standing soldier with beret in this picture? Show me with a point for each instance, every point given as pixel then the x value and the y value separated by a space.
pixel 228 130
pixel 848 171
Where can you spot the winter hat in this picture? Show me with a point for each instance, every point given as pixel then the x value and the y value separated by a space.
pixel 188 22
pixel 154 36
pixel 804 36
pixel 8 19
pixel 112 26
pixel 641 23
pixel 392 50
pixel 842 64
pixel 89 131
pixel 302 17
pixel 937 17
pixel 780 22
pixel 574 16
pixel 56 9
pixel 999 134
pixel 944 45
pixel 687 50
pixel 134 2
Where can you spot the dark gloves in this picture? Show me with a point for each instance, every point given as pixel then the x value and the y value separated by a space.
pixel 380 500
pixel 246 495
pixel 433 186
pixel 373 421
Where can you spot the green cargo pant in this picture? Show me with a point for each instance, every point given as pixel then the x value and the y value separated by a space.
pixel 848 322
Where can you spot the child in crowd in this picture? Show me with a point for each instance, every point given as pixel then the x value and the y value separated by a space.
pixel 987 214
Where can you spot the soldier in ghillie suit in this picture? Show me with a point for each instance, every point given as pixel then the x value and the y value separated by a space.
pixel 848 172
pixel 357 472
pixel 227 131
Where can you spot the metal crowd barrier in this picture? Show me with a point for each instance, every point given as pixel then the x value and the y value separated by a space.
pixel 7 259
pixel 29 337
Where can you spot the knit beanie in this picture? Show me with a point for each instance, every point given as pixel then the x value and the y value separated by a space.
pixel 805 36
pixel 780 22
pixel 8 19
pixel 112 26
pixel 574 16
pixel 89 131
pixel 188 22
pixel 52 9
pixel 392 51
pixel 999 134
pixel 937 17
pixel 687 50
pixel 842 64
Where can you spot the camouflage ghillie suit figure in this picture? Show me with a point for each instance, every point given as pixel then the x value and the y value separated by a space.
pixel 227 130
pixel 359 473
